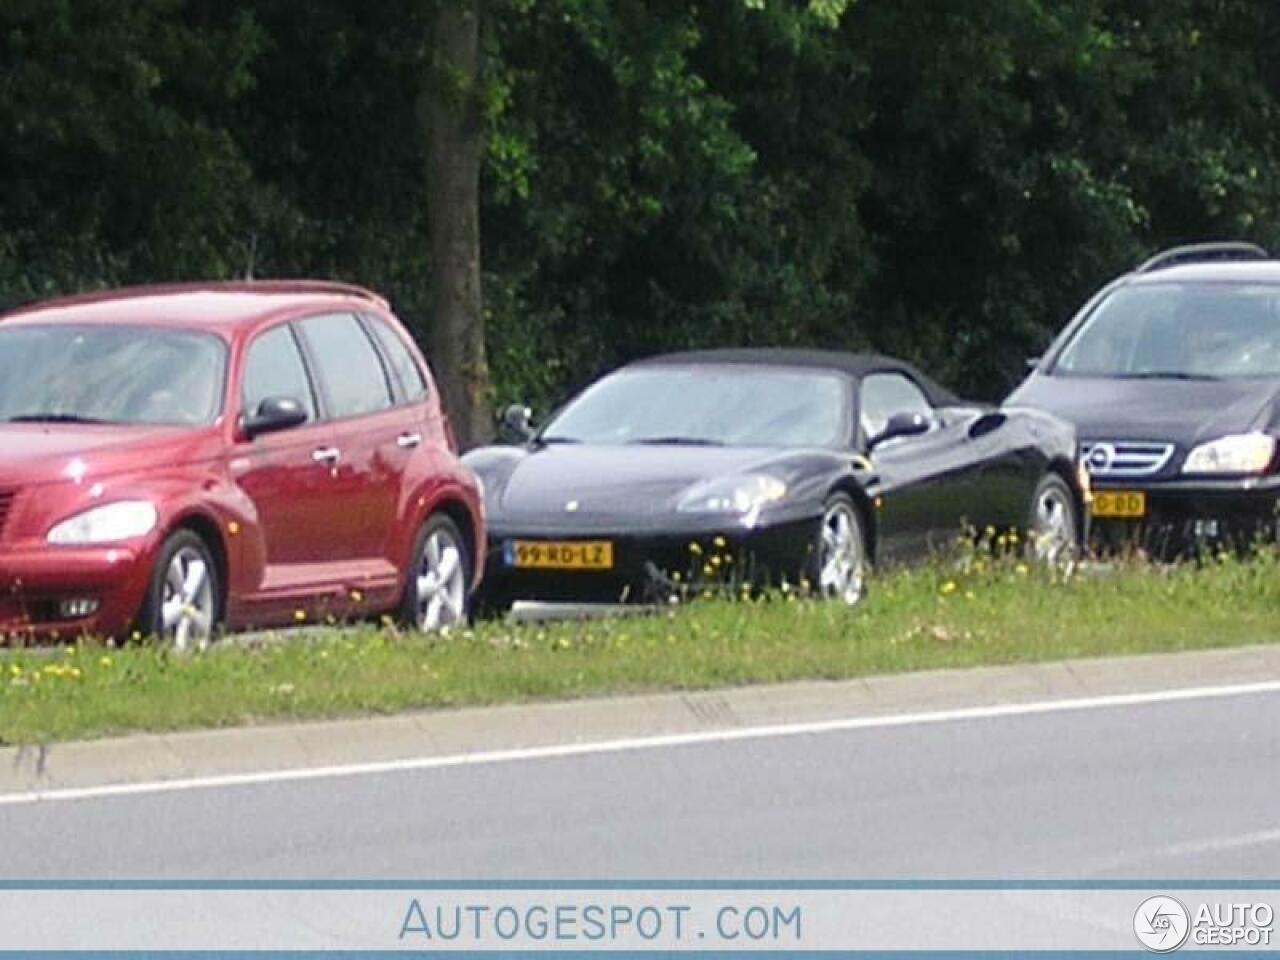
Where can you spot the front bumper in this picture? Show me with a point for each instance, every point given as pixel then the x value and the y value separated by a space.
pixel 36 581
pixel 1184 515
pixel 651 566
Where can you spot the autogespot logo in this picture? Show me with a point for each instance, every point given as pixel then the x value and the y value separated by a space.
pixel 1161 924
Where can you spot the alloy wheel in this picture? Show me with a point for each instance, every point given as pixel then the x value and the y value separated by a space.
pixel 188 607
pixel 1053 537
pixel 442 582
pixel 841 554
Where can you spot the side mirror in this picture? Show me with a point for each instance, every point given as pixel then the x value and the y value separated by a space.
pixel 518 421
pixel 274 413
pixel 901 425
pixel 1032 362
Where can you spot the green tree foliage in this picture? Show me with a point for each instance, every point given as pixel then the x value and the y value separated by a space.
pixel 942 179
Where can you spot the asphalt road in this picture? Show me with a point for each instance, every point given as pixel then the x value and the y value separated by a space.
pixel 1185 789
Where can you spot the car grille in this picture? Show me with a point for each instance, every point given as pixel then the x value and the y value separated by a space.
pixel 1125 458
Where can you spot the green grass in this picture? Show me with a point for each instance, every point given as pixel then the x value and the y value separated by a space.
pixel 956 614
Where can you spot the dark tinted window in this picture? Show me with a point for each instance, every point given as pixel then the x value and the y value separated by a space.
pixel 353 378
pixel 274 368
pixel 883 395
pixel 402 362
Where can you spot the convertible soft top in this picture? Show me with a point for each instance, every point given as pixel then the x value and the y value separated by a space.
pixel 853 364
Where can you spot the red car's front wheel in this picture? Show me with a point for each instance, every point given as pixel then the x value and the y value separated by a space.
pixel 182 604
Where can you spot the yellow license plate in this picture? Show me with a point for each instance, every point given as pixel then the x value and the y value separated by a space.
pixel 559 555
pixel 1124 504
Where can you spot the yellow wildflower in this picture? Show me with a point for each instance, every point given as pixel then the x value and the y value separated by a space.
pixel 949 588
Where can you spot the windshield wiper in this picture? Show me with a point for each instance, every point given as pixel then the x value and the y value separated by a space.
pixel 1166 375
pixel 53 418
pixel 676 441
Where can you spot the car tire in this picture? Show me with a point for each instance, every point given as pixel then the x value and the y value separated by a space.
pixel 182 609
pixel 436 589
pixel 1053 526
pixel 840 560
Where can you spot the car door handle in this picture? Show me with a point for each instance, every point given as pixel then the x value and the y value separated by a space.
pixel 407 441
pixel 329 455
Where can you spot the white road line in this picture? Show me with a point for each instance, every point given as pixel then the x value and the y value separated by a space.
pixel 623 745
pixel 1141 859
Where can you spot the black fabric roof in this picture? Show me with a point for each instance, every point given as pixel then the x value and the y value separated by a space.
pixel 853 364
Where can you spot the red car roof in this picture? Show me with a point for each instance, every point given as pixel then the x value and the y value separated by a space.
pixel 195 304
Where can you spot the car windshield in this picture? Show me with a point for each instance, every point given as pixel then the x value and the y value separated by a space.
pixel 109 374
pixel 1187 331
pixel 726 405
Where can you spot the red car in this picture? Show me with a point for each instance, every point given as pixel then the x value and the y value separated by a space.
pixel 178 459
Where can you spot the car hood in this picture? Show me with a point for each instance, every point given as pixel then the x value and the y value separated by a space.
pixel 32 454
pixel 1185 412
pixel 587 480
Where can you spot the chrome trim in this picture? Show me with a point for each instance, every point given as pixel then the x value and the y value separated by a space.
pixel 1125 458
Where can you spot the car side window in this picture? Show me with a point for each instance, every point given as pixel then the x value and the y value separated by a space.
pixel 402 362
pixel 274 368
pixel 884 394
pixel 354 381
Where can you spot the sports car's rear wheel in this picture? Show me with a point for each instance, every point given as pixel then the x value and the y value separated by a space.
pixel 840 558
pixel 435 597
pixel 1053 524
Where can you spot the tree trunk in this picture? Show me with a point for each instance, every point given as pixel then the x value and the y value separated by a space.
pixel 455 146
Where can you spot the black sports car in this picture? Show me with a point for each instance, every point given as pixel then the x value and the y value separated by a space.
pixel 795 465
pixel 1172 376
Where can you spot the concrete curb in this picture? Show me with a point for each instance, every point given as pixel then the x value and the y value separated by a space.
pixel 211 753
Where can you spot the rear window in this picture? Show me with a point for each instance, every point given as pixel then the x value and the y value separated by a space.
pixel 405 368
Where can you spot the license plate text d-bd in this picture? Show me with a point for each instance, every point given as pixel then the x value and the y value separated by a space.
pixel 559 555
pixel 1125 504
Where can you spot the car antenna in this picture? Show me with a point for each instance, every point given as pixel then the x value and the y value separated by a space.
pixel 253 256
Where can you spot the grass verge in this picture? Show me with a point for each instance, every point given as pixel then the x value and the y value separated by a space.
pixel 964 613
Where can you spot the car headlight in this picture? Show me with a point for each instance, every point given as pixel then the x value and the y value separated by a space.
pixel 122 520
pixel 1243 453
pixel 741 495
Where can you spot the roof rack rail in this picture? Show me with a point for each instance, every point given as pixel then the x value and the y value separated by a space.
pixel 1204 252
pixel 313 286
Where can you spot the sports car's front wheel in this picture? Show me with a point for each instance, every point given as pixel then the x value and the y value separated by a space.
pixel 840 556
pixel 1054 526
